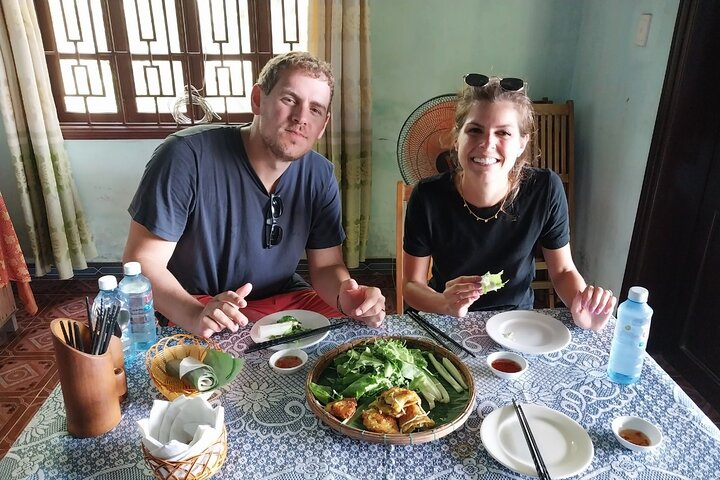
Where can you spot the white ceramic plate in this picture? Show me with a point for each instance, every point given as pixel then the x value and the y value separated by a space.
pixel 307 319
pixel 528 332
pixel 564 445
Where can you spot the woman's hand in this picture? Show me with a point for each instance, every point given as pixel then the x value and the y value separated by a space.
pixel 460 293
pixel 592 307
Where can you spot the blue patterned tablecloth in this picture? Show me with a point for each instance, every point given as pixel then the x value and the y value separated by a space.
pixel 272 433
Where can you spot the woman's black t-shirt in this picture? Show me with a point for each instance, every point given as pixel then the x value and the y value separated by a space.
pixel 437 224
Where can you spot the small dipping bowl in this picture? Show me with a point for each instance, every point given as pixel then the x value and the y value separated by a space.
pixel 280 357
pixel 507 365
pixel 630 426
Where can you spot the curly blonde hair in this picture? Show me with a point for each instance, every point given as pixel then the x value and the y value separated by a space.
pixel 493 93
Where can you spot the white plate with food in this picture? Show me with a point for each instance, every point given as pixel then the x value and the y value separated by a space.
pixel 271 326
pixel 528 332
pixel 564 445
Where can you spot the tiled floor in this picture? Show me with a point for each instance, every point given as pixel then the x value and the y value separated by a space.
pixel 27 360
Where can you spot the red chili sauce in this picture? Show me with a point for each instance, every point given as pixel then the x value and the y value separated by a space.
pixel 635 436
pixel 505 365
pixel 288 362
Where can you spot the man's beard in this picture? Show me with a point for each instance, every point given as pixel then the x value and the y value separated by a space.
pixel 279 148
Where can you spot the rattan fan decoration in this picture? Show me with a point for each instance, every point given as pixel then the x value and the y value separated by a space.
pixel 425 141
pixel 175 347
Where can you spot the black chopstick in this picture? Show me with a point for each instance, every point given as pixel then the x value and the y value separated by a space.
pixel 89 315
pixel 429 331
pixel 296 336
pixel 65 334
pixel 532 446
pixel 78 337
pixel 427 325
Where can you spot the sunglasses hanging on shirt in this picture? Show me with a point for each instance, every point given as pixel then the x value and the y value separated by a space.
pixel 273 230
pixel 509 84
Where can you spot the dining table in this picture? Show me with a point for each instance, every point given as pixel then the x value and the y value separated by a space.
pixel 272 433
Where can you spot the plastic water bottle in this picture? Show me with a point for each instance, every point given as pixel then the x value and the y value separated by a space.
pixel 630 339
pixel 138 292
pixel 107 297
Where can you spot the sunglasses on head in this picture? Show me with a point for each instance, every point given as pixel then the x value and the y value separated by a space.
pixel 479 80
pixel 273 231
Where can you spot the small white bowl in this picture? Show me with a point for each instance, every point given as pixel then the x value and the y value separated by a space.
pixel 636 423
pixel 514 357
pixel 290 352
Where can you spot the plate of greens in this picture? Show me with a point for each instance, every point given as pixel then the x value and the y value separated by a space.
pixel 288 322
pixel 391 390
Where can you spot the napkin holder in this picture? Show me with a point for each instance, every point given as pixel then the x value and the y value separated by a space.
pixel 199 467
pixel 92 385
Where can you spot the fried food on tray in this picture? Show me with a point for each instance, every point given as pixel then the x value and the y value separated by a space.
pixel 395 400
pixel 379 423
pixel 342 409
pixel 415 418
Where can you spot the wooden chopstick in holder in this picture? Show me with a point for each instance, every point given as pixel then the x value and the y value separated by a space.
pixel 532 446
pixel 296 336
pixel 427 326
pixel 78 337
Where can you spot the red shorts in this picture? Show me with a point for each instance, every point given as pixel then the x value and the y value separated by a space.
pixel 297 300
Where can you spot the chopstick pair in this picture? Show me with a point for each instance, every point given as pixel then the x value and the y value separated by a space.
pixel 296 336
pixel 104 327
pixel 530 440
pixel 71 335
pixel 435 331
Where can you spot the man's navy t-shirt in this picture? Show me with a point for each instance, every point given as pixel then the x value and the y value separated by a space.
pixel 200 191
pixel 438 224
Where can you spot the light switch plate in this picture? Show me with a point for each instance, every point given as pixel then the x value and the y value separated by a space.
pixel 643 29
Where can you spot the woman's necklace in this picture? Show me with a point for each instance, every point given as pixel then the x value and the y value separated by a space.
pixel 478 218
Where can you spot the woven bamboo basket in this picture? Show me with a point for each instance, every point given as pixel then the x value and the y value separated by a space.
pixel 170 348
pixel 412 438
pixel 200 467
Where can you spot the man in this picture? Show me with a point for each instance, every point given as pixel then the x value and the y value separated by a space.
pixel 223 214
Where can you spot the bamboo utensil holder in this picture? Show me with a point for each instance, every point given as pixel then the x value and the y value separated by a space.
pixel 92 385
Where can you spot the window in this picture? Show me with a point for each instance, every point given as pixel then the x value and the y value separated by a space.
pixel 130 68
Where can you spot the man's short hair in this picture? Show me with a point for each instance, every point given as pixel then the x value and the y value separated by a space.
pixel 303 61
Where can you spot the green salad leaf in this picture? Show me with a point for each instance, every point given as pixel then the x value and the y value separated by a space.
pixel 369 369
pixel 296 328
pixel 491 282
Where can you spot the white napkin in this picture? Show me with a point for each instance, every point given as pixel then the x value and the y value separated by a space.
pixel 182 428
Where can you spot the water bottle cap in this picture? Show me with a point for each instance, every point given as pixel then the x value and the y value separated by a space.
pixel 638 294
pixel 107 282
pixel 132 268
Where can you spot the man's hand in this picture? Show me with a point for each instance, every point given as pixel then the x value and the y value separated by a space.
pixel 460 293
pixel 223 312
pixel 592 307
pixel 366 304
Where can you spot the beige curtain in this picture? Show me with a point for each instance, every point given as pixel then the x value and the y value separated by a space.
pixel 59 234
pixel 339 34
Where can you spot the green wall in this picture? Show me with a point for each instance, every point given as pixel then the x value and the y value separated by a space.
pixel 566 49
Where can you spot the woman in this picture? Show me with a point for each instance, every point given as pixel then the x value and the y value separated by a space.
pixel 488 215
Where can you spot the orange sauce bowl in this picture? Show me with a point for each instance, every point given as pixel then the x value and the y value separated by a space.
pixel 507 365
pixel 288 361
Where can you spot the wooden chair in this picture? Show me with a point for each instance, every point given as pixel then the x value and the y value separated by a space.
pixel 553 148
pixel 402 193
